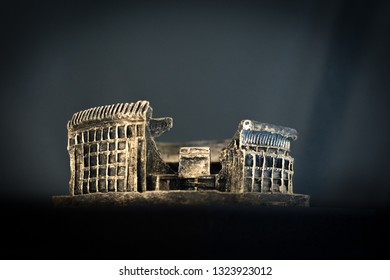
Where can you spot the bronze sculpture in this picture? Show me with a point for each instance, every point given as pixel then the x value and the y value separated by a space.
pixel 112 151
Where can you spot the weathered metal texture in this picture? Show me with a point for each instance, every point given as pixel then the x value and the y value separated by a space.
pixel 182 198
pixel 194 169
pixel 258 159
pixel 112 150
pixel 169 150
pixel 194 162
pixel 138 111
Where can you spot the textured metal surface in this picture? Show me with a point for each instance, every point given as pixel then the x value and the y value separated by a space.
pixel 289 133
pixel 190 198
pixel 258 159
pixel 112 150
pixel 194 162
pixel 138 110
pixel 169 150
pixel 263 138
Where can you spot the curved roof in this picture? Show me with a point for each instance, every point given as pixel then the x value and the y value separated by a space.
pixel 137 110
pixel 265 138
pixel 289 133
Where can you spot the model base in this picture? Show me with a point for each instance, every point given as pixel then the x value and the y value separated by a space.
pixel 156 198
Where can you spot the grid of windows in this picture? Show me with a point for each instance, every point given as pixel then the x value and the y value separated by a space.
pixel 104 166
pixel 265 149
pixel 102 163
pixel 264 172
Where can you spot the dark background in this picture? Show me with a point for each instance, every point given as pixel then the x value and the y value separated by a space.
pixel 321 67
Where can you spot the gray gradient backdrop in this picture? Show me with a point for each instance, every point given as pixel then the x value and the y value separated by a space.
pixel 321 67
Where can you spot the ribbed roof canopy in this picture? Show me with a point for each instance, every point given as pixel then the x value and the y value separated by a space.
pixel 138 110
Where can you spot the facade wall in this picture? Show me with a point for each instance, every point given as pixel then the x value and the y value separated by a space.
pixel 257 162
pixel 108 158
pixel 231 176
pixel 267 172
